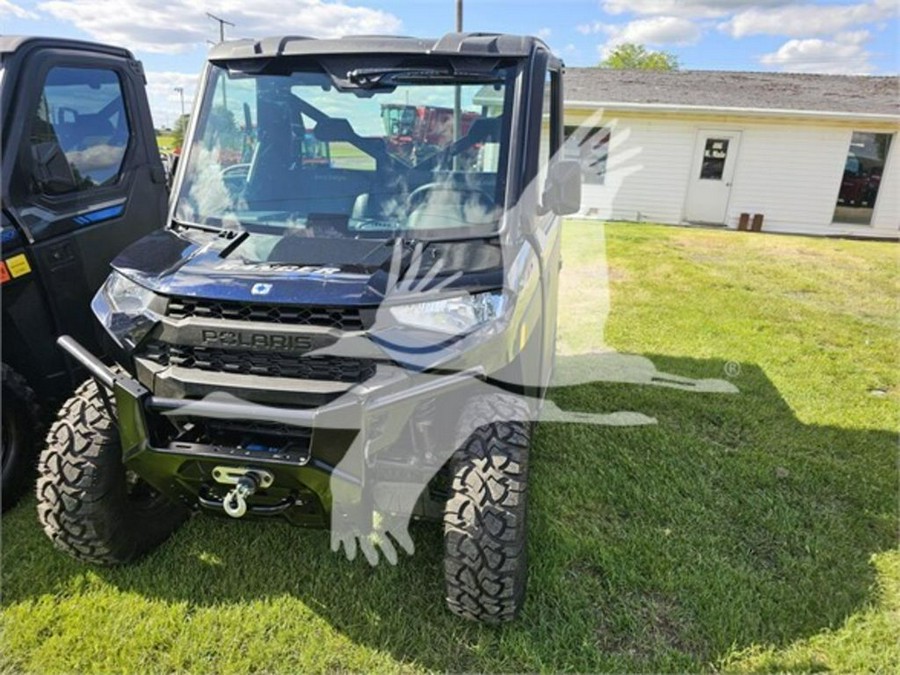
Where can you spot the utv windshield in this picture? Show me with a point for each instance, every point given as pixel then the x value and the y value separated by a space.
pixel 416 152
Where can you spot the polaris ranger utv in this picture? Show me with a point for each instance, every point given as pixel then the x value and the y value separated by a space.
pixel 307 338
pixel 81 179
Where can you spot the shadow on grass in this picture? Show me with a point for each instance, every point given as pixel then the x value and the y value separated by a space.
pixel 666 547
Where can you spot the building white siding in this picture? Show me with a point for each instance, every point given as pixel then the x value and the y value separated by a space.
pixel 886 219
pixel 790 174
pixel 647 171
pixel 789 170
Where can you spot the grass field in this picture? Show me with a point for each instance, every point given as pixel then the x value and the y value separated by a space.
pixel 750 531
pixel 166 142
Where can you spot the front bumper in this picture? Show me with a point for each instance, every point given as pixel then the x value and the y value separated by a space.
pixel 366 418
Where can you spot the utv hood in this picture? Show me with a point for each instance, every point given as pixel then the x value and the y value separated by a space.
pixel 296 270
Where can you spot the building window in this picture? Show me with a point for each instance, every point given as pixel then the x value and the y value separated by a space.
pixel 590 146
pixel 861 181
pixel 715 153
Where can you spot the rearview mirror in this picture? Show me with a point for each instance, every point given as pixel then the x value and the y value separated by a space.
pixel 562 192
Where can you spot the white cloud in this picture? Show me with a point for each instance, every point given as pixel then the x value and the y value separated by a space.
pixel 686 8
pixel 180 25
pixel 808 20
pixel 660 30
pixel 544 33
pixel 165 102
pixel 656 31
pixel 844 54
pixel 8 8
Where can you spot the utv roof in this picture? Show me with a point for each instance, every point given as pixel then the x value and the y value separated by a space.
pixel 465 44
pixel 13 43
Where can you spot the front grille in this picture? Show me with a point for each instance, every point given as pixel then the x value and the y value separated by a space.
pixel 271 364
pixel 344 318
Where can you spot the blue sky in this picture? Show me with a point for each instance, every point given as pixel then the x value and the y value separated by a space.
pixel 831 36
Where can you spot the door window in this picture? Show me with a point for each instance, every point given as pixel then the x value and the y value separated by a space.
pixel 715 153
pixel 79 131
pixel 545 150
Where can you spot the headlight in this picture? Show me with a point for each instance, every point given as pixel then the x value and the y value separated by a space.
pixel 123 307
pixel 454 316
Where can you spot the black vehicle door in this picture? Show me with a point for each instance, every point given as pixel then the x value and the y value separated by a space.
pixel 84 180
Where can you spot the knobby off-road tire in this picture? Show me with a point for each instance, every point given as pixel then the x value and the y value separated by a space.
pixel 485 565
pixel 88 504
pixel 21 429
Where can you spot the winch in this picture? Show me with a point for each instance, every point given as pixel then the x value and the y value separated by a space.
pixel 246 482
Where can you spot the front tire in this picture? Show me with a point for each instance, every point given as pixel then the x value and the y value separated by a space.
pixel 19 431
pixel 88 504
pixel 485 562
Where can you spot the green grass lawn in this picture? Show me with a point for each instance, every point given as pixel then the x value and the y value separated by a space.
pixel 166 142
pixel 750 531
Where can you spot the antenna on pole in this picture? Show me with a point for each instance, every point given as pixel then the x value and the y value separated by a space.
pixel 222 24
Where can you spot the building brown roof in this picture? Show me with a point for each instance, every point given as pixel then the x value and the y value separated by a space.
pixel 727 89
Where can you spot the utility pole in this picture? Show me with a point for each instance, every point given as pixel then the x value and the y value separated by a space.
pixel 222 24
pixel 180 90
pixel 457 94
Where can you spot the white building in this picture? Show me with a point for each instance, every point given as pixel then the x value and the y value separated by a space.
pixel 814 154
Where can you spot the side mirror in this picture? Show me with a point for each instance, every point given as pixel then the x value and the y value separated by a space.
pixel 562 192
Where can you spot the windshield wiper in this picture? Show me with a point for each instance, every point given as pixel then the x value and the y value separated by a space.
pixel 376 77
pixel 184 225
pixel 221 230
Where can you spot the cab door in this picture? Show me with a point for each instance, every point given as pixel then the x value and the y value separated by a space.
pixel 84 174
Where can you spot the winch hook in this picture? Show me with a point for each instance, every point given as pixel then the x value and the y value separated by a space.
pixel 235 502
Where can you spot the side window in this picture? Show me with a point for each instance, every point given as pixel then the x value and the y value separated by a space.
pixel 546 132
pixel 79 131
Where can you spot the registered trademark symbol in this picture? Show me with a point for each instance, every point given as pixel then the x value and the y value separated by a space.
pixel 732 369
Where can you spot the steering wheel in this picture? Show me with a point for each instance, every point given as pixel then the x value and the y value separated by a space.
pixel 418 196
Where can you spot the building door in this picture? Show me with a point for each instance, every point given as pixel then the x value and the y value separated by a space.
pixel 711 177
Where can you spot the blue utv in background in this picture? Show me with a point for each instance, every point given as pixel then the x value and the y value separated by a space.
pixel 81 179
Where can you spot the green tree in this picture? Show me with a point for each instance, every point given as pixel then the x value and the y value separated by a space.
pixel 178 133
pixel 221 121
pixel 630 56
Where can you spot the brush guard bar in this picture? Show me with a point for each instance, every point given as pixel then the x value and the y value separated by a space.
pixel 133 400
